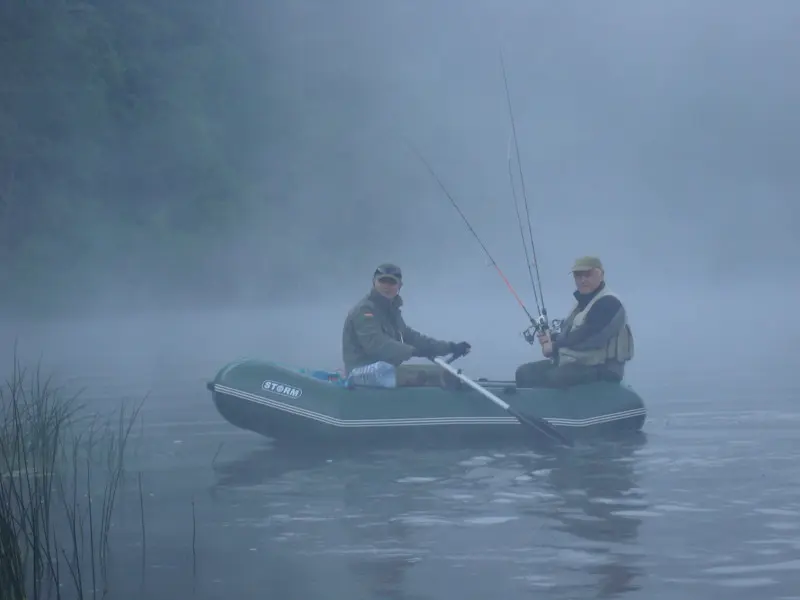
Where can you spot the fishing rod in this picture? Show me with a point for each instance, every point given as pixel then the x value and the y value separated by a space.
pixel 474 233
pixel 541 323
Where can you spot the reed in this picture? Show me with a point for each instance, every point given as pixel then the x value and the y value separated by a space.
pixel 60 471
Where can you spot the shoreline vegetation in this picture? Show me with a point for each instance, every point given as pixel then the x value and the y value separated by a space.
pixel 158 153
pixel 121 151
pixel 61 469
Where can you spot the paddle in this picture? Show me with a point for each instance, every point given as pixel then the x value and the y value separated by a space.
pixel 536 423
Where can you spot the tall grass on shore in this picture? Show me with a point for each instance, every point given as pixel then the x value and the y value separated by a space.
pixel 60 469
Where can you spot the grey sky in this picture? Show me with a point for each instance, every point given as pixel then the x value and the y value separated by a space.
pixel 670 125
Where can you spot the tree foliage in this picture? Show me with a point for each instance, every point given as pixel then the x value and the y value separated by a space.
pixel 127 132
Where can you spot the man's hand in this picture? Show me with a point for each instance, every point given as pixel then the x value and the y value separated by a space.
pixel 460 348
pixel 546 343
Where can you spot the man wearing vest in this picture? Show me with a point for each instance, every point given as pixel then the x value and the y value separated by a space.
pixel 595 340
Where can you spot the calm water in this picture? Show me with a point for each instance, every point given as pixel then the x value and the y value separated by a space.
pixel 706 504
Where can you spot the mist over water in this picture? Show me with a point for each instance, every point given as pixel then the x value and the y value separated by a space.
pixel 662 138
pixel 676 329
pixel 647 135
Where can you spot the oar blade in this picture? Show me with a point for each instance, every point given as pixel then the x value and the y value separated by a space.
pixel 542 426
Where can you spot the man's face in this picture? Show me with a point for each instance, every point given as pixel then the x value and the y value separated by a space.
pixel 588 281
pixel 387 286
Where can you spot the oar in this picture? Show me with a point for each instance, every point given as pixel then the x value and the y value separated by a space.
pixel 536 423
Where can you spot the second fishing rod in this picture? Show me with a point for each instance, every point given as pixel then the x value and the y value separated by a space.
pixel 539 324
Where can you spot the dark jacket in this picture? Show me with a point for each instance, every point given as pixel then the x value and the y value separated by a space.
pixel 375 330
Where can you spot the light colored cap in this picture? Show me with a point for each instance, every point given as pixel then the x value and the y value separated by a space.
pixel 586 263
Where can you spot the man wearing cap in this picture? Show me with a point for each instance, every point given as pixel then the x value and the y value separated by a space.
pixel 374 330
pixel 595 340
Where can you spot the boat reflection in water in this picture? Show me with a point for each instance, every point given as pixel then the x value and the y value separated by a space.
pixel 599 505
pixel 405 525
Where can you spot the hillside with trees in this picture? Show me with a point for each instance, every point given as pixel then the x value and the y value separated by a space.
pixel 130 137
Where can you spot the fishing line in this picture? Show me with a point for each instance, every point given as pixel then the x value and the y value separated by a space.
pixel 471 229
pixel 540 295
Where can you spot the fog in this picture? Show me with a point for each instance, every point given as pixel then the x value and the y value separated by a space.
pixel 661 138
pixel 234 196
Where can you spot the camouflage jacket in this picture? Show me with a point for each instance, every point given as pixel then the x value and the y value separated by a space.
pixel 375 330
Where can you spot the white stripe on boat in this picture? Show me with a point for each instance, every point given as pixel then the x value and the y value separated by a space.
pixel 422 421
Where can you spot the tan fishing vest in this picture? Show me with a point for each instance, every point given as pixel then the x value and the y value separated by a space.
pixel 619 348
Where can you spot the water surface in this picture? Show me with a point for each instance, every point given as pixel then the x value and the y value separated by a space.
pixel 705 504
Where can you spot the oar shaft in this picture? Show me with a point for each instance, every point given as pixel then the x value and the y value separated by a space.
pixel 536 423
pixel 478 388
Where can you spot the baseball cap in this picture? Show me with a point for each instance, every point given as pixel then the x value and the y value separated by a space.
pixel 585 263
pixel 389 270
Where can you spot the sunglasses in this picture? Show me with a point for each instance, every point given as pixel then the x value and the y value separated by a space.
pixel 388 280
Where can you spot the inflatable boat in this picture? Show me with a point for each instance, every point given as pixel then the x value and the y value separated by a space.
pixel 315 407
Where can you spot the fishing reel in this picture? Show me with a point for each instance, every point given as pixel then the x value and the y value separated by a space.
pixel 540 325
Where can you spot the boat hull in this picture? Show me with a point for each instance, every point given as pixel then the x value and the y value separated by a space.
pixel 293 407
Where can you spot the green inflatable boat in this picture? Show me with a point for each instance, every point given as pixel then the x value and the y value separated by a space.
pixel 297 406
